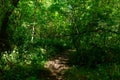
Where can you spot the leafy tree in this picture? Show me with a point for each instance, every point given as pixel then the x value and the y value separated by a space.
pixel 8 8
pixel 31 31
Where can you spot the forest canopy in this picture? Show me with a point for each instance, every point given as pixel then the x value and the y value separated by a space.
pixel 33 31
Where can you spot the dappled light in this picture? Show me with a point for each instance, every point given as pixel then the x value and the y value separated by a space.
pixel 59 40
pixel 58 64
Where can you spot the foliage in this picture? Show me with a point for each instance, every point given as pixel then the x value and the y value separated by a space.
pixel 101 73
pixel 32 31
pixel 95 56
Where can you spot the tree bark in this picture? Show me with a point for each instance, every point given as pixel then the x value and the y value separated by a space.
pixel 4 25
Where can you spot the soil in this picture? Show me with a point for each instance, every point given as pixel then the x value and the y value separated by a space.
pixel 58 64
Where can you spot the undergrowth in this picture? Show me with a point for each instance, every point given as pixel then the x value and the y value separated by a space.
pixel 108 72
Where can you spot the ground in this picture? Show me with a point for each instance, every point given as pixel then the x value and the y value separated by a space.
pixel 58 64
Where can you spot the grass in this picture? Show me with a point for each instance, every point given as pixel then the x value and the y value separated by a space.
pixel 102 72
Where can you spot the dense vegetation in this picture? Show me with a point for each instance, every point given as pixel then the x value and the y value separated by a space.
pixel 32 31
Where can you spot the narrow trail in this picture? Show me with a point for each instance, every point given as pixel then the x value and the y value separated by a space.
pixel 58 64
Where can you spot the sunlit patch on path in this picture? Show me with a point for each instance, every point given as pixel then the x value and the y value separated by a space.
pixel 58 65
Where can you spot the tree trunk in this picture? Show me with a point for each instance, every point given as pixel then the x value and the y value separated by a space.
pixel 3 31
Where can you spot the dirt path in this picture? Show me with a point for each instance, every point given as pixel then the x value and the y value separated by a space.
pixel 58 65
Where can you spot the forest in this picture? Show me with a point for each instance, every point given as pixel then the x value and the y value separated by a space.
pixel 59 39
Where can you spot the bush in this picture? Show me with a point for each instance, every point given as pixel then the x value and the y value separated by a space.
pixel 94 56
pixel 111 72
